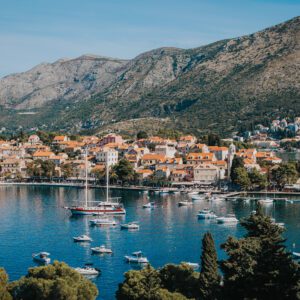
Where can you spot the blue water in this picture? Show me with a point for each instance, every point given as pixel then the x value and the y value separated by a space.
pixel 33 219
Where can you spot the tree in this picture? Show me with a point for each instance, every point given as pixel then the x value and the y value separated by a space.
pixel 209 279
pixel 164 294
pixel 284 174
pixel 57 281
pixel 237 162
pixel 4 294
pixel 257 179
pixel 242 178
pixel 67 170
pixel 124 170
pixel 140 285
pixel 258 265
pixel 179 278
pixel 142 135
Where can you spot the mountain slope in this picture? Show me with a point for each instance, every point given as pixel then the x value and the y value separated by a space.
pixel 220 87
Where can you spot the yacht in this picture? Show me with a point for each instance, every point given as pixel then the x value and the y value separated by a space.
pixel 131 225
pixel 197 197
pixel 229 219
pixel 42 257
pixel 82 238
pixel 87 270
pixel 104 221
pixel 296 254
pixel 149 205
pixel 102 249
pixel 206 214
pixel 266 201
pixel 185 203
pixel 110 206
pixel 195 266
pixel 136 257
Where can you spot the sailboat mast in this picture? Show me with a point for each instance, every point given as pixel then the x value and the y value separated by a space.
pixel 86 179
pixel 107 178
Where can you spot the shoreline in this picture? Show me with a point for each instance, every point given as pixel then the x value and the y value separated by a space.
pixel 144 188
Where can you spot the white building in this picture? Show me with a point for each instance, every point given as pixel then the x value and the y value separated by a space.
pixel 206 174
pixel 107 156
pixel 167 150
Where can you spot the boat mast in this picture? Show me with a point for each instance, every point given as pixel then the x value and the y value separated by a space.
pixel 107 177
pixel 86 179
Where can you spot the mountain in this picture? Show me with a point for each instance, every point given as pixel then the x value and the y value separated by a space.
pixel 221 87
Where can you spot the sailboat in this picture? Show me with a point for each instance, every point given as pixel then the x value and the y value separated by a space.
pixel 110 206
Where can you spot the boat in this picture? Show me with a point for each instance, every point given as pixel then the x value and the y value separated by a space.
pixel 130 226
pixel 185 203
pixel 229 219
pixel 206 214
pixel 296 254
pixel 82 238
pixel 280 224
pixel 195 266
pixel 266 201
pixel 87 270
pixel 136 257
pixel 149 205
pixel 42 257
pixel 197 197
pixel 104 221
pixel 102 250
pixel 193 193
pixel 110 206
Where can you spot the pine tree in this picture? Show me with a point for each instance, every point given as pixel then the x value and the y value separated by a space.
pixel 258 265
pixel 209 279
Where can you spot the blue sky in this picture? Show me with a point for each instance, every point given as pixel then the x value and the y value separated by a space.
pixel 35 31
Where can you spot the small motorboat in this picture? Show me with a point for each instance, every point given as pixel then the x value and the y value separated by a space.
pixel 195 266
pixel 82 238
pixel 185 203
pixel 296 254
pixel 102 250
pixel 88 270
pixel 149 205
pixel 206 214
pixel 197 197
pixel 105 221
pixel 229 219
pixel 42 257
pixel 266 201
pixel 130 226
pixel 280 224
pixel 136 257
pixel 193 193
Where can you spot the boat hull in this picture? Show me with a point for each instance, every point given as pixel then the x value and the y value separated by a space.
pixel 86 211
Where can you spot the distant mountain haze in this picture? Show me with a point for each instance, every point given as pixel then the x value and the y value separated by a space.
pixel 219 87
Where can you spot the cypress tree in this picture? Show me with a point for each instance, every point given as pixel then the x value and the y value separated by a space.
pixel 209 279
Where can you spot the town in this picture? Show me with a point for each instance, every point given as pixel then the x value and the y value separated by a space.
pixel 252 162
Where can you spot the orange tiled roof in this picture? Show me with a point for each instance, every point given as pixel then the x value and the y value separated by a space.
pixel 200 156
pixel 153 156
pixel 43 154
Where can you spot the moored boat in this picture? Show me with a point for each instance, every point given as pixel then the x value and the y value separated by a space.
pixel 229 219
pixel 266 201
pixel 87 270
pixel 185 203
pixel 82 238
pixel 206 214
pixel 136 257
pixel 149 205
pixel 103 221
pixel 130 226
pixel 102 250
pixel 42 257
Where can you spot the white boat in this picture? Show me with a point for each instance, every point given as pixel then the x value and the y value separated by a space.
pixel 82 238
pixel 206 214
pixel 88 271
pixel 104 221
pixel 136 257
pixel 185 203
pixel 110 206
pixel 131 225
pixel 42 257
pixel 149 205
pixel 195 266
pixel 266 201
pixel 296 254
pixel 193 193
pixel 102 249
pixel 280 224
pixel 197 197
pixel 229 219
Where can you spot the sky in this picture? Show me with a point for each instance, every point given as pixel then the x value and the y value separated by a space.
pixel 36 31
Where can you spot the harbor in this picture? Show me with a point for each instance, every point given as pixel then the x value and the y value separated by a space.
pixel 35 215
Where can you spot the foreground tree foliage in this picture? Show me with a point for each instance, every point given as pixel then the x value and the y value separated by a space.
pixel 4 294
pixel 124 170
pixel 258 265
pixel 209 279
pixel 57 281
